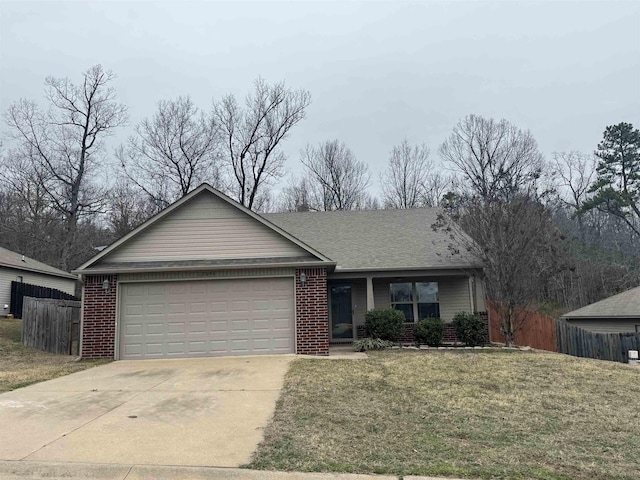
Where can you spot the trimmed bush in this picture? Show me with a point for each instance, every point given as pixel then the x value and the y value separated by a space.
pixel 470 329
pixel 384 324
pixel 369 343
pixel 429 331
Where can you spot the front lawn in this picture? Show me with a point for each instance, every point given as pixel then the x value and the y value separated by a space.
pixel 488 414
pixel 21 366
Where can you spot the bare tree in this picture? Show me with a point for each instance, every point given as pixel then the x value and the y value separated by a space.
pixel 519 247
pixel 436 188
pixel 404 182
pixel 127 207
pixel 574 173
pixel 64 144
pixel 494 158
pixel 337 179
pixel 297 195
pixel 173 152
pixel 510 230
pixel 251 135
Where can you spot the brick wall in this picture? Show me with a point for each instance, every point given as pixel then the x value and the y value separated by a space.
pixel 312 315
pixel 99 317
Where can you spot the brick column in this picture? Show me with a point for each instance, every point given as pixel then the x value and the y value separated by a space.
pixel 99 317
pixel 312 314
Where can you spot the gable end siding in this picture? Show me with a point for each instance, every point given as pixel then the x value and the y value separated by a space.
pixel 205 228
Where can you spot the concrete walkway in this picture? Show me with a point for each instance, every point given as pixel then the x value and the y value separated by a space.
pixel 79 471
pixel 196 412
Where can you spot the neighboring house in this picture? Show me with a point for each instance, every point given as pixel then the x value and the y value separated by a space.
pixel 616 314
pixel 15 267
pixel 209 277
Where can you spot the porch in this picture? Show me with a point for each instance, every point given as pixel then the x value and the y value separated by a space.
pixel 418 294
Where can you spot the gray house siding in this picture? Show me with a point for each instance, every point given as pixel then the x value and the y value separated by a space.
pixel 8 275
pixel 607 325
pixel 209 228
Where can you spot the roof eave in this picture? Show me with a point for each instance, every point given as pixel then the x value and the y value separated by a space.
pixel 111 271
pixel 411 269
pixel 70 276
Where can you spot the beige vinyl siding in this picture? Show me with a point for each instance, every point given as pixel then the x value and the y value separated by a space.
pixel 206 274
pixel 8 275
pixel 359 300
pixel 205 228
pixel 453 293
pixel 454 297
pixel 607 325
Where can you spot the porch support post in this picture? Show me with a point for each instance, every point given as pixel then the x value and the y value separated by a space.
pixel 472 294
pixel 370 301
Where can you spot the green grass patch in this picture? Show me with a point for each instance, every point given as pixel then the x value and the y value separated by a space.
pixel 482 414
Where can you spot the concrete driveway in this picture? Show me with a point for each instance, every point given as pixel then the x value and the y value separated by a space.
pixel 200 412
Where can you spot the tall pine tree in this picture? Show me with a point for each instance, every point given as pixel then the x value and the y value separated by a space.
pixel 617 186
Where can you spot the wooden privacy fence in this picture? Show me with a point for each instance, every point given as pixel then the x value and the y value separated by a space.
pixel 19 290
pixel 579 342
pixel 538 330
pixel 52 325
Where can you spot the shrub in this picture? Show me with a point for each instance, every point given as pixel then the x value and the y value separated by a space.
pixel 369 343
pixel 384 324
pixel 429 331
pixel 470 329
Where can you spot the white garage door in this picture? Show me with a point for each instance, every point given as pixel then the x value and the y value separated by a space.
pixel 202 318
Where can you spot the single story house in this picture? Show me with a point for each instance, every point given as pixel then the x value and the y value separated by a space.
pixel 208 277
pixel 15 267
pixel 617 314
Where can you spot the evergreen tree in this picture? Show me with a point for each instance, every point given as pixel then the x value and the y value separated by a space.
pixel 617 186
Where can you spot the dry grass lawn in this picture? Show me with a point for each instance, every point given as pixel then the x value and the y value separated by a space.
pixel 21 366
pixel 484 414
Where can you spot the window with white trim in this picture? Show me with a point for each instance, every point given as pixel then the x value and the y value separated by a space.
pixel 417 300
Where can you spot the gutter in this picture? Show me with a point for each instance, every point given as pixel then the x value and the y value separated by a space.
pixel 111 271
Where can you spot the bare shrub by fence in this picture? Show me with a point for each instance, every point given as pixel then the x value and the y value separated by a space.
pixel 52 325
pixel 579 342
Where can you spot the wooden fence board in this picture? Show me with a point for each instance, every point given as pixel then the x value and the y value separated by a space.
pixel 20 290
pixel 50 324
pixel 538 332
pixel 579 342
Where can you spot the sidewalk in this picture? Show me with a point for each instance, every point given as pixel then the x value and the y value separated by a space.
pixel 21 470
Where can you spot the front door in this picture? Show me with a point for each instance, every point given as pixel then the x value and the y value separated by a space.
pixel 341 313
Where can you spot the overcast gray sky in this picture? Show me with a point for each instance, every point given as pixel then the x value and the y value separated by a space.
pixel 378 72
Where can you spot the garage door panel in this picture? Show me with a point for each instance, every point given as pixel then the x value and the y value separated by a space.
pixel 219 307
pixel 134 309
pixel 207 318
pixel 240 306
pixel 197 327
pixel 155 309
pixel 155 329
pixel 198 348
pixel 155 349
pixel 133 350
pixel 176 328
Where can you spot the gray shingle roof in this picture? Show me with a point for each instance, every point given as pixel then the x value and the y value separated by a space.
pixel 376 239
pixel 14 260
pixel 625 304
